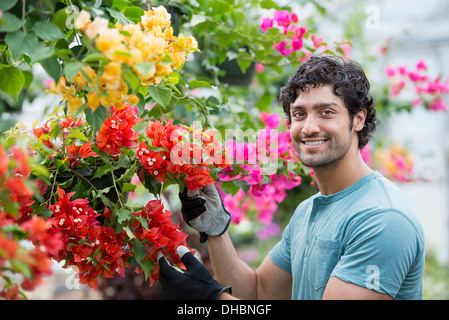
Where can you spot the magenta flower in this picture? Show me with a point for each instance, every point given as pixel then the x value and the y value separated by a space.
pixel 270 120
pixel 267 23
pixel 282 18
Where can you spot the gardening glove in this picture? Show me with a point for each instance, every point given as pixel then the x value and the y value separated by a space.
pixel 194 284
pixel 203 210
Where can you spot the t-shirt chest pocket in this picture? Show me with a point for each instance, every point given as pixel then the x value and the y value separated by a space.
pixel 321 260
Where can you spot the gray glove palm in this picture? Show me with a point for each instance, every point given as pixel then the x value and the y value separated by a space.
pixel 203 210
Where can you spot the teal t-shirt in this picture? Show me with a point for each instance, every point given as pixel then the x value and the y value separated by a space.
pixel 367 235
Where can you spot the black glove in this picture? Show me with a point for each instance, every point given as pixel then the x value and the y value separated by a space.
pixel 203 210
pixel 194 284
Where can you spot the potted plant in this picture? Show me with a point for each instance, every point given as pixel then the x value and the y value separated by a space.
pixel 110 127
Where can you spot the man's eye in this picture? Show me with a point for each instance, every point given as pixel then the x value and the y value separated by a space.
pixel 328 112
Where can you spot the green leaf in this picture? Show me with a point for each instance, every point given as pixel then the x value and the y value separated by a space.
pixel 128 187
pixel 20 42
pixel 47 31
pixel 71 69
pixel 41 52
pixel 139 250
pixel 127 176
pixel 101 171
pixel 61 165
pixel 134 13
pixel 11 23
pixel 119 16
pixel 145 68
pixel 96 118
pixel 197 84
pixel 147 266
pixel 52 67
pixel 12 81
pixel 21 267
pixel 129 232
pixel 123 215
pixel 131 78
pixel 76 134
pixel 5 5
pixel 161 95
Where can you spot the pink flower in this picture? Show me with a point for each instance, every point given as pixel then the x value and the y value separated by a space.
pixel 421 65
pixel 281 48
pixel 437 105
pixel 297 44
pixel 267 23
pixel 416 102
pixel 294 18
pixel 282 18
pixel 48 82
pixel 347 49
pixel 300 32
pixel 271 120
pixel 317 41
pixel 259 67
pixel 366 154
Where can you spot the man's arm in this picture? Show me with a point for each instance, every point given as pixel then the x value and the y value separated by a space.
pixel 267 282
pixel 337 289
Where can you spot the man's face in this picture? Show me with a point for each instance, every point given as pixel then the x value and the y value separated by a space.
pixel 320 127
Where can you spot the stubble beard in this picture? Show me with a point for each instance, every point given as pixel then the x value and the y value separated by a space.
pixel 329 157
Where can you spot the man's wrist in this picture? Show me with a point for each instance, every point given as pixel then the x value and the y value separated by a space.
pixel 226 296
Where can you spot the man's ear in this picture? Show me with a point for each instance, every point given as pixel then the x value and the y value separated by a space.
pixel 359 120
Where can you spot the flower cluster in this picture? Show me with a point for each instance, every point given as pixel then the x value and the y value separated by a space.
pixel 117 130
pixel 93 249
pixel 176 152
pixel 158 233
pixel 266 188
pixel 430 92
pixel 295 35
pixel 148 49
pixel 16 197
pixel 394 162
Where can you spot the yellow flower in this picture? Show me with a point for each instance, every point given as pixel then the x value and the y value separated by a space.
pixel 133 99
pixel 163 70
pixel 73 104
pixel 157 17
pixel 82 20
pixel 107 39
pixel 62 89
pixel 99 25
pixel 168 33
pixel 80 79
pixel 136 35
pixel 152 46
pixel 111 76
pixel 93 100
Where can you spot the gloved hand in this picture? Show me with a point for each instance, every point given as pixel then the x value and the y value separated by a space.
pixel 203 210
pixel 194 284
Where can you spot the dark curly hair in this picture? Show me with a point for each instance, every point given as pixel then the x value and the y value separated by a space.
pixel 348 81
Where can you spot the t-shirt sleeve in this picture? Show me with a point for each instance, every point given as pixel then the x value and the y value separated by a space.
pixel 280 254
pixel 378 252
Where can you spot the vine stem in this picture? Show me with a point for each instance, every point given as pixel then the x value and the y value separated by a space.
pixel 116 190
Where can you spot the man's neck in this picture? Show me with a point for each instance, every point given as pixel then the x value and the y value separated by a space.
pixel 340 176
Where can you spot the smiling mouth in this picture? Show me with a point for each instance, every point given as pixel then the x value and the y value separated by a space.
pixel 314 142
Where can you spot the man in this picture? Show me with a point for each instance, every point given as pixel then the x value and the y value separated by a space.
pixel 356 239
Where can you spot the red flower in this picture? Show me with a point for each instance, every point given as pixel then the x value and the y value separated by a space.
pixel 117 131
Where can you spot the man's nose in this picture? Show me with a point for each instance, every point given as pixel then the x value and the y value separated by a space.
pixel 311 126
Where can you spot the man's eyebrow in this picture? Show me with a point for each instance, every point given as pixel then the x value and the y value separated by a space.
pixel 315 107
